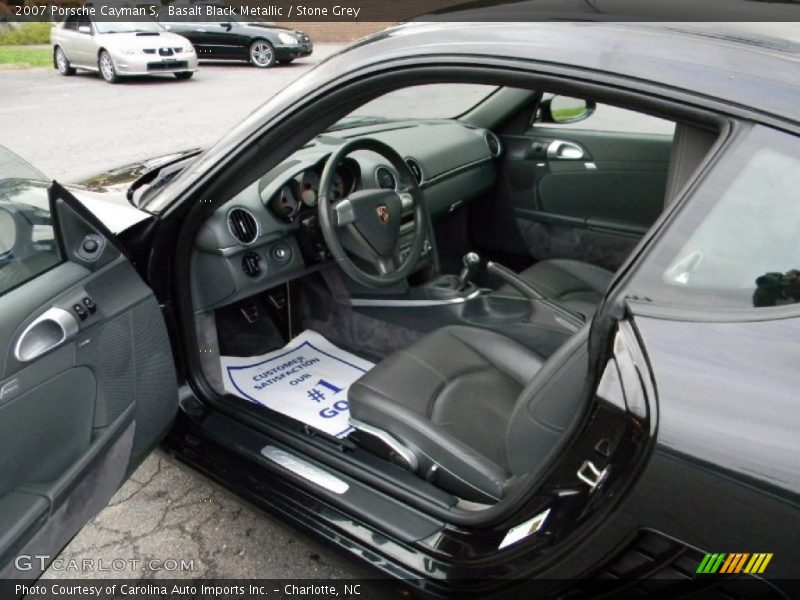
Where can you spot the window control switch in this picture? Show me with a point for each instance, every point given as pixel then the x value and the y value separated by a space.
pixel 90 305
pixel 80 311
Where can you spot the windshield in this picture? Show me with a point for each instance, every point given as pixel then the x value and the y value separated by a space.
pixel 429 101
pixel 12 167
pixel 128 27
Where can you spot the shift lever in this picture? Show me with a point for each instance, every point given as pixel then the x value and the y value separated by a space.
pixel 471 262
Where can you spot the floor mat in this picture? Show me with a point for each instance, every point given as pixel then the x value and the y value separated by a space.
pixel 307 380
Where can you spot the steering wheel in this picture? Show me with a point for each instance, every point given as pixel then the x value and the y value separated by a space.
pixel 367 222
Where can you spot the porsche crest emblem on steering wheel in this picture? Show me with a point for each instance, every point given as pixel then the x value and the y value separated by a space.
pixel 383 213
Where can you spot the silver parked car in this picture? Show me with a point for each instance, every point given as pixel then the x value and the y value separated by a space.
pixel 118 49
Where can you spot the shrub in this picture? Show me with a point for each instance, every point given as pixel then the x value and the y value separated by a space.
pixel 25 34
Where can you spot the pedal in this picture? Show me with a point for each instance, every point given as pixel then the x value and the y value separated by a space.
pixel 277 299
pixel 250 313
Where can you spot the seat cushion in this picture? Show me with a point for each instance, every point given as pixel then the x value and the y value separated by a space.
pixel 576 285
pixel 448 397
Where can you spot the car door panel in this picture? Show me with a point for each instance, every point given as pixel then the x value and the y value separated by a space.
pixel 77 415
pixel 83 45
pixel 586 195
pixel 225 40
pixel 205 37
pixel 192 32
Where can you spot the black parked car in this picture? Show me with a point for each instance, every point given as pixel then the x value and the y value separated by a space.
pixel 259 43
pixel 609 393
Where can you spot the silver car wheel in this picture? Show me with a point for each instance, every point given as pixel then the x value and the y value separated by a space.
pixel 107 67
pixel 261 54
pixel 61 61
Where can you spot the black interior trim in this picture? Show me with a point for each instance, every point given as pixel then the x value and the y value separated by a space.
pixel 279 141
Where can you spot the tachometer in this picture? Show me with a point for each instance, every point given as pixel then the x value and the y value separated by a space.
pixel 285 203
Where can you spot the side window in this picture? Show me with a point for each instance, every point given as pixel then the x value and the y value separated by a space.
pixel 84 21
pixel 577 113
pixel 737 245
pixel 28 245
pixel 71 24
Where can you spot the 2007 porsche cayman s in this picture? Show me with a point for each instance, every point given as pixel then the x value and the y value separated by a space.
pixel 495 303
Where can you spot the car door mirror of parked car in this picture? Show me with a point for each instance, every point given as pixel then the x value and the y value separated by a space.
pixel 84 29
pixel 8 233
pixel 564 109
pixel 226 26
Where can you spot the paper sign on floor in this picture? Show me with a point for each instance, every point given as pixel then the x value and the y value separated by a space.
pixel 307 380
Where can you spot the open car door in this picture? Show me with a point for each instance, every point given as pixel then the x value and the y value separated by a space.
pixel 87 378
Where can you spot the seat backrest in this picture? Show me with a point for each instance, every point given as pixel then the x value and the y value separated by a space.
pixel 689 146
pixel 548 406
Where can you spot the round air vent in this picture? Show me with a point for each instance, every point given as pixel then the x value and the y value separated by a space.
pixel 495 147
pixel 415 169
pixel 386 179
pixel 243 225
pixel 251 264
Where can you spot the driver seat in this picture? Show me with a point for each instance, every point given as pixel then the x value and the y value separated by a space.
pixel 469 409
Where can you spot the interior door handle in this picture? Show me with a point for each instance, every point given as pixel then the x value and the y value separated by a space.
pixel 561 150
pixel 47 332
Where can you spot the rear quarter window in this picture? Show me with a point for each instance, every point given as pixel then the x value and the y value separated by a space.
pixel 736 244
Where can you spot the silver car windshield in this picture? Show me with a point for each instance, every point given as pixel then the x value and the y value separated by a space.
pixel 128 27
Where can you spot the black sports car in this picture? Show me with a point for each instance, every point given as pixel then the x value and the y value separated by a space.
pixel 484 305
pixel 259 43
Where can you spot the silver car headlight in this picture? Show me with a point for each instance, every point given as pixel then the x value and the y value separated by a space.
pixel 189 49
pixel 130 50
pixel 287 39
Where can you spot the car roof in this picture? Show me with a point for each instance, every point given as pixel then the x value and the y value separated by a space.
pixel 741 64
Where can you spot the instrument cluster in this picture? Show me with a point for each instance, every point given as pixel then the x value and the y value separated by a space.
pixel 300 193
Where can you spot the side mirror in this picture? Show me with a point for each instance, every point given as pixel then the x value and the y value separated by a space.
pixel 227 26
pixel 84 29
pixel 564 109
pixel 8 232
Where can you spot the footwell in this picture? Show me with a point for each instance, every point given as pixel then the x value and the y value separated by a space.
pixel 307 380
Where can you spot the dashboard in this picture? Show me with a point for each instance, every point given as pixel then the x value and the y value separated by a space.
pixel 269 234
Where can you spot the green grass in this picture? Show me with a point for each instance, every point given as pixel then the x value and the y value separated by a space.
pixel 564 114
pixel 25 35
pixel 25 58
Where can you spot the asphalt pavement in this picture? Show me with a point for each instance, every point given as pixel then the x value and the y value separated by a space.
pixel 74 126
pixel 69 126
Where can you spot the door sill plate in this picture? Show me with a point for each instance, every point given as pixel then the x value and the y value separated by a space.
pixel 305 469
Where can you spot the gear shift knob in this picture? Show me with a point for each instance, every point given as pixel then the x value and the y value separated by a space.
pixel 471 262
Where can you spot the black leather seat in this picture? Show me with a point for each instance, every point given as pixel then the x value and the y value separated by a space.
pixel 576 285
pixel 460 407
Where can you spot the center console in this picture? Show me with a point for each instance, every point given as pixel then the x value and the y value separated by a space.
pixel 455 300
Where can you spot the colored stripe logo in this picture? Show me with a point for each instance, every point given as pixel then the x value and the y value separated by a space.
pixel 735 562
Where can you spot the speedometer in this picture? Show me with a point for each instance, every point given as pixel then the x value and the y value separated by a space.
pixel 308 182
